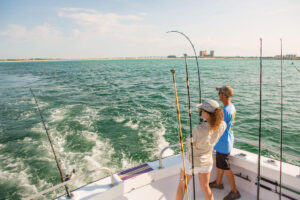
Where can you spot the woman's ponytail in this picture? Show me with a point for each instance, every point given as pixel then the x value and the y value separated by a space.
pixel 216 119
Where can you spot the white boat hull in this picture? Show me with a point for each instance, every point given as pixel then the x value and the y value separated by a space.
pixel 160 184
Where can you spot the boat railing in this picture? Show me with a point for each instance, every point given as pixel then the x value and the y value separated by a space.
pixel 163 150
pixel 237 140
pixel 72 180
pixel 160 166
pixel 267 148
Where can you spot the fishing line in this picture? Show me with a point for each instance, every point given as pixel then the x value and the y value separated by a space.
pixel 199 82
pixel 51 144
pixel 190 119
pixel 281 110
pixel 259 131
pixel 297 69
pixel 180 133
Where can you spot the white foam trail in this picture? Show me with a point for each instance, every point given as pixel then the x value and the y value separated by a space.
pixel 22 179
pixel 18 175
pixel 99 156
pixel 41 103
pixel 152 111
pixel 89 115
pixel 119 119
pixel 44 146
pixel 127 163
pixel 38 128
pixel 101 152
pixel 27 115
pixel 27 139
pixel 21 102
pixel 81 161
pixel 132 125
pixel 57 114
pixel 162 143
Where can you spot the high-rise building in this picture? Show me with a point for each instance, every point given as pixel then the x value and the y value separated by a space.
pixel 290 56
pixel 202 53
pixel 286 57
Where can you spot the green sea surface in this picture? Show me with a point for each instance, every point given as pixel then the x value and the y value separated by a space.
pixel 121 113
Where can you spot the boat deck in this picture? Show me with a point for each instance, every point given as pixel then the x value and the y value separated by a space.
pixel 165 189
pixel 150 182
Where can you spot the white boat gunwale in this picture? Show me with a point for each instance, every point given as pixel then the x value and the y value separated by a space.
pixel 238 157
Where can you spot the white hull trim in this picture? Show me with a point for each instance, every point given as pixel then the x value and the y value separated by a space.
pixel 244 166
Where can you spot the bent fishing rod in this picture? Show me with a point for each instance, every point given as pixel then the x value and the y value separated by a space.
pixel 259 130
pixel 51 144
pixel 180 134
pixel 199 82
pixel 190 119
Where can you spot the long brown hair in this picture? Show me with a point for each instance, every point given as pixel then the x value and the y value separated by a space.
pixel 216 119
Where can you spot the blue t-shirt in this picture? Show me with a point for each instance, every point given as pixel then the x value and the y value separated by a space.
pixel 225 143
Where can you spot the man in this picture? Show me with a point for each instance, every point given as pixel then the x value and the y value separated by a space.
pixel 225 144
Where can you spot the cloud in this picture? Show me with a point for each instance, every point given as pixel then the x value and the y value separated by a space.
pixel 76 33
pixel 89 33
pixel 90 22
pixel 39 33
pixel 61 10
pixel 87 24
pixel 89 16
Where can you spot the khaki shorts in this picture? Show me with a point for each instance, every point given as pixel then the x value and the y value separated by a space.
pixel 202 170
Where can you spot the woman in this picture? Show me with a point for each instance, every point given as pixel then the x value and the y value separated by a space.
pixel 205 136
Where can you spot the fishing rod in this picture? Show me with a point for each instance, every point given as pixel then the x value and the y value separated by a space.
pixel 180 133
pixel 49 138
pixel 199 82
pixel 281 110
pixel 259 132
pixel 190 119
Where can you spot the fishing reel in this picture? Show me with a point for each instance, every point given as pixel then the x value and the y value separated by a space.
pixel 69 176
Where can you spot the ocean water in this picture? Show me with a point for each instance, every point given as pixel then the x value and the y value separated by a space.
pixel 121 113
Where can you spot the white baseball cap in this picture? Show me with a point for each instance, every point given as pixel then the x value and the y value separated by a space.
pixel 208 105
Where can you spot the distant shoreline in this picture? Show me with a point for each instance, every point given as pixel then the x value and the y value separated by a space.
pixel 137 58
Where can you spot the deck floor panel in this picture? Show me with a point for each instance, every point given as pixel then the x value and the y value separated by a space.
pixel 165 189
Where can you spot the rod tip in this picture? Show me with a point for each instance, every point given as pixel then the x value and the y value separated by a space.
pixel 173 71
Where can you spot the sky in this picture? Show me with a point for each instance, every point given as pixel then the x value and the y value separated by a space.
pixel 134 28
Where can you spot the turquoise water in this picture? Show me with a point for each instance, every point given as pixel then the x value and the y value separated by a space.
pixel 121 113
